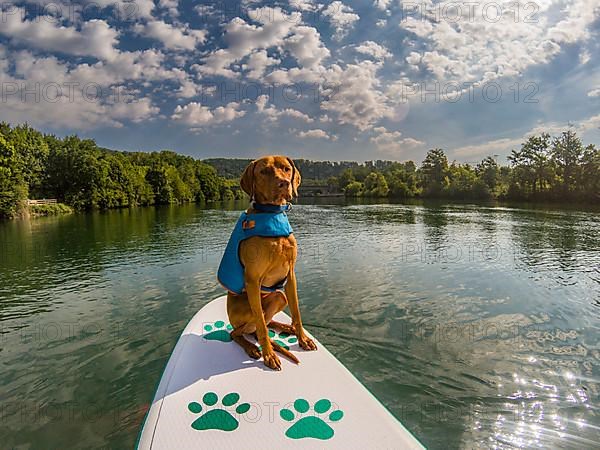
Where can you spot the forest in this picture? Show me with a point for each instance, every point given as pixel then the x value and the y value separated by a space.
pixel 544 168
pixel 80 174
pixel 84 176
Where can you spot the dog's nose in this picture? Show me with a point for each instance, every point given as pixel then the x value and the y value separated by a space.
pixel 283 183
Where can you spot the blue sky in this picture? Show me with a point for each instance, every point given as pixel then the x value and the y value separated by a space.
pixel 339 80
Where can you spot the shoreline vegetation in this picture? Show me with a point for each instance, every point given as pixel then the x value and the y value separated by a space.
pixel 82 176
pixel 53 209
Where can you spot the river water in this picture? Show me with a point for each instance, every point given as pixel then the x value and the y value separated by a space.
pixel 477 326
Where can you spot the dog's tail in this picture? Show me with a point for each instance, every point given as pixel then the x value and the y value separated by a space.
pixel 289 355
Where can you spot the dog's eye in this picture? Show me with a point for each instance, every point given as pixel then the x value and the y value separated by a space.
pixel 287 169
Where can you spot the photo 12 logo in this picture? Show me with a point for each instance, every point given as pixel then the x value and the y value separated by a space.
pixel 68 91
pixel 57 12
pixel 468 11
pixel 454 91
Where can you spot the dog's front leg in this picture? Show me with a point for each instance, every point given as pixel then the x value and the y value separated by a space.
pixel 291 291
pixel 253 292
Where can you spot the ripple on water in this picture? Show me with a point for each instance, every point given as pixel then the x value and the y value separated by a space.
pixel 476 326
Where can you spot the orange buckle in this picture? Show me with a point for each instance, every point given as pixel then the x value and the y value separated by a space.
pixel 248 224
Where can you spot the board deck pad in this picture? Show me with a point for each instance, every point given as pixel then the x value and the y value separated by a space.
pixel 212 395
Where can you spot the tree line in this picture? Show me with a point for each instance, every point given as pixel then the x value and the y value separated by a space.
pixel 543 169
pixel 79 173
pixel 85 176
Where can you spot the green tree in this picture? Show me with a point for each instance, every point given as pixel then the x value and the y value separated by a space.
pixel 434 173
pixel 210 183
pixel 375 185
pixel 462 181
pixel 354 189
pixel 567 152
pixel 13 189
pixel 532 170
pixel 158 178
pixel 33 150
pixel 402 180
pixel 345 178
pixel 589 181
pixel 488 172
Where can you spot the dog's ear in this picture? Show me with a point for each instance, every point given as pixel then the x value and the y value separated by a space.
pixel 247 180
pixel 296 178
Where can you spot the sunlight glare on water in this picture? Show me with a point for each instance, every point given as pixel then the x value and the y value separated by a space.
pixel 477 326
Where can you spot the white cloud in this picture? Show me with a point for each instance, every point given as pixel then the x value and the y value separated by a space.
pixel 277 33
pixel 373 49
pixel 480 47
pixel 305 45
pixel 342 18
pixel 172 37
pixel 594 93
pixel 171 6
pixel 87 96
pixel 355 96
pixel 257 63
pixel 197 116
pixel 95 37
pixel 382 4
pixel 303 5
pixel 243 39
pixel 316 134
pixel 274 114
pixel 390 142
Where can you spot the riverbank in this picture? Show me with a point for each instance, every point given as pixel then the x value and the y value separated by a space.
pixel 48 209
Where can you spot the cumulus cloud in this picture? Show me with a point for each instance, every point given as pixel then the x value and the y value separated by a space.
pixel 197 115
pixel 243 39
pixel 316 133
pixel 87 95
pixel 373 49
pixel 257 63
pixel 594 93
pixel 303 5
pixel 342 18
pixel 479 48
pixel 94 38
pixel 276 31
pixel 274 114
pixel 173 38
pixel 355 95
pixel 382 4
pixel 171 6
pixel 391 143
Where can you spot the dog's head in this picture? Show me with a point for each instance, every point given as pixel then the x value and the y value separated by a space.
pixel 271 179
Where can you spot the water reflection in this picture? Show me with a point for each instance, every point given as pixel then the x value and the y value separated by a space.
pixel 477 326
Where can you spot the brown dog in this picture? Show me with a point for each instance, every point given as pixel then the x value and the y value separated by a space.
pixel 271 180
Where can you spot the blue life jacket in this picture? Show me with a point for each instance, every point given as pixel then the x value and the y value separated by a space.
pixel 273 222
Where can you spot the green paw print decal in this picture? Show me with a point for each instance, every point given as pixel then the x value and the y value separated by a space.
pixel 217 418
pixel 310 426
pixel 218 331
pixel 283 339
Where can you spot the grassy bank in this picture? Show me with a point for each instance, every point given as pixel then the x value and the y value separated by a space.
pixel 52 209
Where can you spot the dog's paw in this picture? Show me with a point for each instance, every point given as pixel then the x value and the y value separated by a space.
pixel 272 360
pixel 253 352
pixel 306 343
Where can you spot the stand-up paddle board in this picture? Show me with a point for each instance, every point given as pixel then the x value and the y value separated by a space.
pixel 213 396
